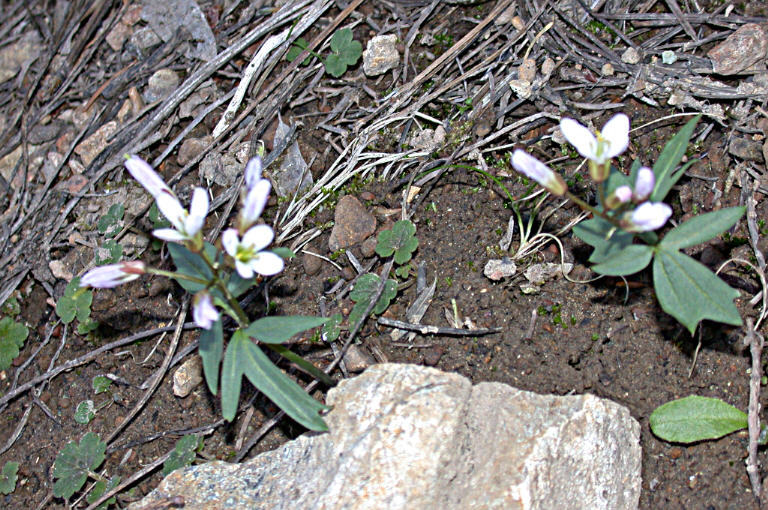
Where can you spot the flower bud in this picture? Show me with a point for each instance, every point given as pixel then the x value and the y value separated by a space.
pixel 112 275
pixel 620 195
pixel 647 216
pixel 539 172
pixel 644 184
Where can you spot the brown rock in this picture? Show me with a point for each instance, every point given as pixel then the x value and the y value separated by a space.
pixel 432 356
pixel 742 49
pixel 368 248
pixel 89 148
pixel 191 148
pixel 311 263
pixel 745 148
pixel 353 224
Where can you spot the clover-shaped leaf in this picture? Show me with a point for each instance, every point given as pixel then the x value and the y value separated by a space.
pixel 75 462
pixel 85 412
pixel 183 453
pixel 346 52
pixel 8 477
pixel 101 384
pixel 331 330
pixel 75 302
pixel 110 252
pixel 12 337
pixel 109 224
pixel 364 291
pixel 400 241
pixel 99 488
pixel 299 45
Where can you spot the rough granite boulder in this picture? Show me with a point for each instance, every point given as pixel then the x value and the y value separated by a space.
pixel 410 437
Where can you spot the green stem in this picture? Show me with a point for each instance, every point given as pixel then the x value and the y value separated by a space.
pixel 176 276
pixel 242 318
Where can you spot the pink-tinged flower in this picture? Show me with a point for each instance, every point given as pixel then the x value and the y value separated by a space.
pixel 249 253
pixel 253 172
pixel 647 216
pixel 255 200
pixel 203 311
pixel 620 195
pixel 644 184
pixel 611 141
pixel 146 176
pixel 188 224
pixel 106 277
pixel 539 172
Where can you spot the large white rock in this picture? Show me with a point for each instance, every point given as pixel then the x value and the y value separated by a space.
pixel 410 437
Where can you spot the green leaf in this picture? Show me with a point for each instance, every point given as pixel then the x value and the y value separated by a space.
pixel 8 477
pixel 363 293
pixel 76 302
pixel 183 453
pixel 211 346
pixel 335 66
pixel 12 337
pixel 85 412
pixel 400 241
pixel 237 285
pixel 701 228
pixel 192 264
pixel 158 221
pixel 243 357
pixel 74 462
pixel 630 260
pixel 86 326
pixel 283 252
pixel 115 250
pixel 695 418
pixel 604 237
pixel 690 292
pixel 340 39
pixel 347 49
pixel 276 330
pixel 98 490
pixel 331 329
pixel 303 364
pixel 11 307
pixel 295 50
pixel 669 158
pixel 101 384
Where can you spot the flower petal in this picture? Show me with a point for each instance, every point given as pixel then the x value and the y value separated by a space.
pixel 580 137
pixel 616 133
pixel 539 172
pixel 266 263
pixel 649 216
pixel 623 194
pixel 198 209
pixel 243 270
pixel 230 240
pixel 644 184
pixel 170 235
pixel 203 311
pixel 146 175
pixel 172 209
pixel 255 201
pixel 258 237
pixel 253 172
pixel 112 275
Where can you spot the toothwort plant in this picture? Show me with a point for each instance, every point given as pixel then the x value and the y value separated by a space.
pixel 631 208
pixel 216 278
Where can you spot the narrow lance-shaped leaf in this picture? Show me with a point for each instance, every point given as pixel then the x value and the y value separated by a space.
pixel 276 330
pixel 669 158
pixel 690 292
pixel 701 228
pixel 695 418
pixel 243 357
pixel 211 346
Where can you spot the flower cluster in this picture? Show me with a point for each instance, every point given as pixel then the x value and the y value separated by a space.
pixel 246 244
pixel 599 149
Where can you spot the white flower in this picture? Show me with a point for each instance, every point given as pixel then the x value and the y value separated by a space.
pixel 644 184
pixel 611 141
pixel 248 252
pixel 106 277
pixel 253 172
pixel 146 175
pixel 647 216
pixel 188 224
pixel 539 172
pixel 203 311
pixel 253 205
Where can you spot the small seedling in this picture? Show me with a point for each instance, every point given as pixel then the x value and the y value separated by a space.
pixel 98 490
pixel 183 453
pixel 101 384
pixel 331 329
pixel 364 292
pixel 76 302
pixel 692 419
pixel 12 337
pixel 109 224
pixel 8 477
pixel 75 463
pixel 345 51
pixel 85 412
pixel 400 240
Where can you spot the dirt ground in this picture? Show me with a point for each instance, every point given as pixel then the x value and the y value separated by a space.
pixel 606 337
